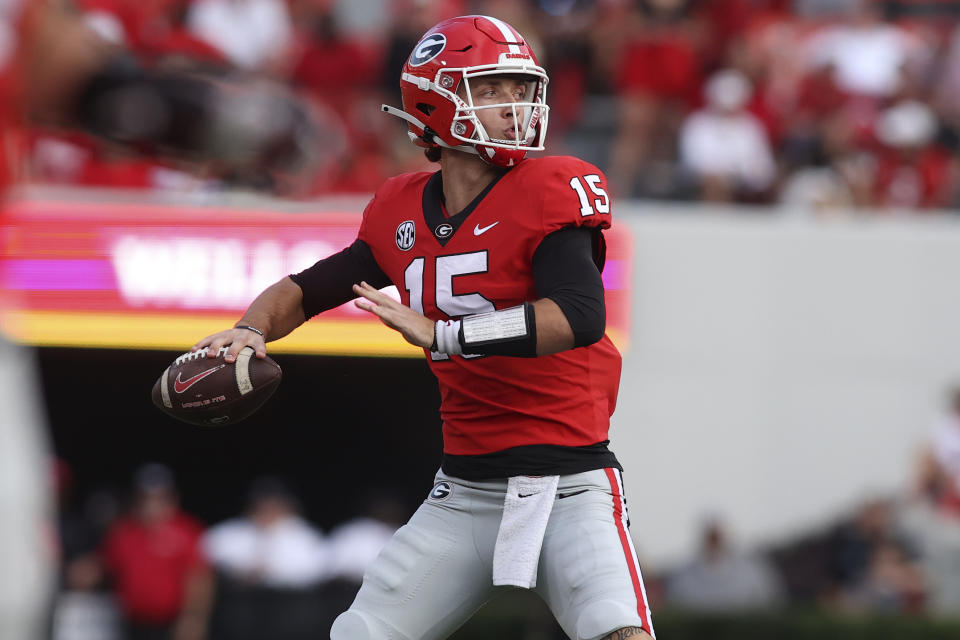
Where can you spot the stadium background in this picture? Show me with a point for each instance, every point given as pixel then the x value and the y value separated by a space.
pixel 788 317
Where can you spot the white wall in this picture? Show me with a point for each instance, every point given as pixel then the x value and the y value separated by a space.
pixel 781 368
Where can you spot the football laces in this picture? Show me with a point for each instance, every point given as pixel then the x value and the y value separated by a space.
pixel 199 353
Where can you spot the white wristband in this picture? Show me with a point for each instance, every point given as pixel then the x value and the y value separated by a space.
pixel 448 337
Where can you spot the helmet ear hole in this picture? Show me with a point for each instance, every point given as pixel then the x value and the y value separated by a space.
pixel 425 108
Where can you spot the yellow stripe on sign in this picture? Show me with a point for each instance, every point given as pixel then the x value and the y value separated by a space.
pixel 178 333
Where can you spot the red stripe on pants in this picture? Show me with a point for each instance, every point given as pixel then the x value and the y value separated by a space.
pixel 627 551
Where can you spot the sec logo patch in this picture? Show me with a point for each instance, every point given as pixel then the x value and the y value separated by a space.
pixel 406 235
pixel 441 491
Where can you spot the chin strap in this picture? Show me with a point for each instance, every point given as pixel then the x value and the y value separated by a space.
pixel 403 115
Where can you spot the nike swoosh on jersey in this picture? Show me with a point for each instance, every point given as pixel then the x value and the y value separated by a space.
pixel 182 385
pixel 478 230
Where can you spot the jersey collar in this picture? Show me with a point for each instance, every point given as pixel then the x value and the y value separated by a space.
pixel 441 226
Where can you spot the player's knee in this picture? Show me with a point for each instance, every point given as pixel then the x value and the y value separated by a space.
pixel 356 625
pixel 599 619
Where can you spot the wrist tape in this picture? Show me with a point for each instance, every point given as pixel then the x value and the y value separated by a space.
pixel 508 332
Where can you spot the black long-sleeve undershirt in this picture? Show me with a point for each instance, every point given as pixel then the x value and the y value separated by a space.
pixel 564 270
pixel 328 283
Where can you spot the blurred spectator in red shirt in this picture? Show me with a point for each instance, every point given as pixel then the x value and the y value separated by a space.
pixel 658 80
pixel 661 62
pixel 154 559
pixel 154 29
pixel 331 65
pixel 725 23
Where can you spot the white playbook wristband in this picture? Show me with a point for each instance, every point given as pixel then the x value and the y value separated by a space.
pixel 448 337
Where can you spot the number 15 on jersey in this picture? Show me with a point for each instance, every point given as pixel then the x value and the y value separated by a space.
pixel 601 203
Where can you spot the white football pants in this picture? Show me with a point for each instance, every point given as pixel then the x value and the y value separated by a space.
pixel 437 570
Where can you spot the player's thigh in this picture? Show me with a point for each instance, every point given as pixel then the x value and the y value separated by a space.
pixel 425 583
pixel 589 574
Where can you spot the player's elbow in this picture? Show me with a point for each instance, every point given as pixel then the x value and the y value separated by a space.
pixel 590 332
pixel 586 316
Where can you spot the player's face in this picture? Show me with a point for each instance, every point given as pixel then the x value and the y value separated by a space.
pixel 501 123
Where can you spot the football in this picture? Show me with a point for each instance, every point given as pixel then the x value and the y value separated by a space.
pixel 211 391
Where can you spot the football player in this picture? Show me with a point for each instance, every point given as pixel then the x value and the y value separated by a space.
pixel 498 260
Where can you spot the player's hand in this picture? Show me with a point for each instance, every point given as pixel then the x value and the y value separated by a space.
pixel 416 328
pixel 236 339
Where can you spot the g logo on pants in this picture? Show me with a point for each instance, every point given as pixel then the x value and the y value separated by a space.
pixel 441 491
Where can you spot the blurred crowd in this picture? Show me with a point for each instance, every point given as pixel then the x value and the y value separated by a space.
pixel 138 567
pixel 896 554
pixel 148 570
pixel 813 103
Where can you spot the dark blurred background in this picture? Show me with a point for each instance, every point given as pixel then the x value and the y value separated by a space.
pixel 103 430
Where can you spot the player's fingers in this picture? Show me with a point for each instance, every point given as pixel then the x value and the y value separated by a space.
pixel 378 310
pixel 215 345
pixel 243 338
pixel 217 341
pixel 365 290
pixel 387 316
pixel 258 344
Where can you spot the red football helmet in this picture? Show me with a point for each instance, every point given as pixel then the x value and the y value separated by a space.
pixel 438 73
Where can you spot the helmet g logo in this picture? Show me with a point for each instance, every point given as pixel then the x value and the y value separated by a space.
pixel 428 49
pixel 406 235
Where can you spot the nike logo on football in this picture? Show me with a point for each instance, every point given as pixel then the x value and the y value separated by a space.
pixel 478 230
pixel 182 385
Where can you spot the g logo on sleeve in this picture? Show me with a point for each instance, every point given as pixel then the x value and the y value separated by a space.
pixel 428 49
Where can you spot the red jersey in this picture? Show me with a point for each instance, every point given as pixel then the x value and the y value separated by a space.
pixel 150 566
pixel 480 260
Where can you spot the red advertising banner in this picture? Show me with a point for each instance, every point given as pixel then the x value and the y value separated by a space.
pixel 119 275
